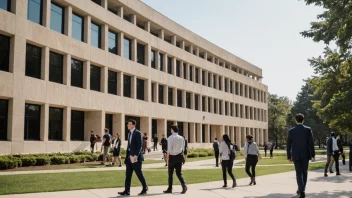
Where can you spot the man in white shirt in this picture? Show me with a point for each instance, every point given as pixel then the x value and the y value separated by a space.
pixel 175 148
pixel 336 154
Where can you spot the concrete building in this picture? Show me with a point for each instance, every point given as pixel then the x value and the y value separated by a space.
pixel 68 67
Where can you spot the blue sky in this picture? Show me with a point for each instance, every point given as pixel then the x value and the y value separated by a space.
pixel 263 32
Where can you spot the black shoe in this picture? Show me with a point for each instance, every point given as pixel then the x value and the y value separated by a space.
pixel 224 186
pixel 120 165
pixel 168 191
pixel 337 174
pixel 124 193
pixel 252 181
pixel 297 192
pixel 234 184
pixel 143 192
pixel 302 194
pixel 325 174
pixel 184 190
pixel 165 165
pixel 331 172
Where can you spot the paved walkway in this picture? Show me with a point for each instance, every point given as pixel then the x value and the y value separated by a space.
pixel 281 185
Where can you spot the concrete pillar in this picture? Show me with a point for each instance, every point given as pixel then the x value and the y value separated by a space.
pixel 166 94
pixel 174 66
pixel 197 51
pixel 191 49
pixel 174 94
pixel 104 4
pixel 183 98
pixel 193 101
pixel 66 124
pixel 46 13
pixel 120 45
pixel 173 40
pixel 161 34
pixel 220 132
pixel 199 132
pixel 68 21
pixel 120 83
pixel 44 122
pixel 87 24
pixel 185 130
pixel 94 120
pixel 200 76
pixel 146 127
pixel 182 45
pixel 105 37
pixel 134 87
pixel 134 50
pixel 181 69
pixel 86 75
pixel 214 133
pixel 252 112
pixel 120 11
pixel 147 26
pixel 104 79
pixel 232 132
pixel 243 134
pixel 148 90
pixel 133 19
pixel 45 63
pixel 162 127
pixel 147 55
pixel 207 133
pixel 192 132
pixel 206 55
pixel 238 137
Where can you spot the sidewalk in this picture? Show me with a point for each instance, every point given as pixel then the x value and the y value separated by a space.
pixel 281 185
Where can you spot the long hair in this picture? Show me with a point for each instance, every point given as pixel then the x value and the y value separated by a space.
pixel 227 140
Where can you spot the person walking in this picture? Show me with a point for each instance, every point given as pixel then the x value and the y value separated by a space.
pixel 300 149
pixel 93 140
pixel 227 160
pixel 336 155
pixel 163 143
pixel 339 145
pixel 216 151
pixel 251 154
pixel 272 145
pixel 117 147
pixel 134 159
pixel 155 141
pixel 175 150
pixel 106 146
pixel 350 155
pixel 145 142
pixel 265 148
pixel 329 154
pixel 185 152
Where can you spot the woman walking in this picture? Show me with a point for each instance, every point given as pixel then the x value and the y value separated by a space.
pixel 145 142
pixel 117 148
pixel 251 153
pixel 226 160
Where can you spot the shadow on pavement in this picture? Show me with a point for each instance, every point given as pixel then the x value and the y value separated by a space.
pixel 308 195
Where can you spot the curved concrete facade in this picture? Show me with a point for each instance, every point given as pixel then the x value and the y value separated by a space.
pixel 244 93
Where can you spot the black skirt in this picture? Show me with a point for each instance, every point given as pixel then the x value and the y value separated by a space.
pixel 116 152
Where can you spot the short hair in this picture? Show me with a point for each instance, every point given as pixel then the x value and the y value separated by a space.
pixel 134 122
pixel 106 130
pixel 216 138
pixel 332 134
pixel 174 128
pixel 299 118
pixel 92 131
pixel 249 137
pixel 117 134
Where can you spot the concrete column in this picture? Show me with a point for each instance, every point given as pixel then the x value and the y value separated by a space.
pixel 94 121
pixel 206 78
pixel 86 75
pixel 104 4
pixel 105 37
pixel 120 45
pixel 104 79
pixel 162 127
pixel 147 26
pixel 161 34
pixel 183 45
pixel 252 112
pixel 206 55
pixel 66 124
pixel 220 132
pixel 174 94
pixel 133 19
pixel 199 133
pixel 200 76
pixel 183 98
pixel 187 71
pixel 134 50
pixel 238 137
pixel 173 40
pixel 166 95
pixel 192 101
pixel 191 49
pixel 120 11
pixel 243 134
pixel 211 105
pixel 200 102
pixel 192 133
pixel 146 127
pixel 45 63
pixel 174 66
pixel 44 122
pixel 181 69
pixel 87 24
pixel 120 83
pixel 68 21
pixel 134 87
pixel 185 130
pixel 46 13
pixel 148 90
pixel 165 62
pixel 147 55
pixel 207 133
pixel 232 132
pixel 197 51
pixel 156 92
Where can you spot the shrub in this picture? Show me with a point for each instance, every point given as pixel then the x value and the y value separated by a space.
pixel 28 161
pixel 43 160
pixel 192 155
pixel 202 154
pixel 59 160
pixel 82 153
pixel 89 158
pixel 95 157
pixel 82 158
pixel 210 153
pixel 74 159
pixel 7 163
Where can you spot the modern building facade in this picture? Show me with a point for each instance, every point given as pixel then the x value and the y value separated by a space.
pixel 68 67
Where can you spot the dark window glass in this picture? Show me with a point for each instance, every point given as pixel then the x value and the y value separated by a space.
pixel 97 2
pixel 180 128
pixel 56 69
pixel 231 86
pixel 197 75
pixel 178 68
pixel 140 89
pixel 209 105
pixel 170 96
pixel 179 98
pixel 95 35
pixel 33 61
pixel 4 52
pixel 112 82
pixel 55 123
pixel 140 54
pixel 57 18
pixel 77 27
pixel 152 59
pixel 226 108
pixel 127 86
pixel 231 109
pixel 203 103
pixel 35 11
pixel 226 81
pixel 161 62
pixel 32 122
pixel 153 92
pixel 3 119
pixel 140 26
pixel 161 94
pixel 155 127
pixel 203 78
pixel 113 11
pixel 184 71
pixel 215 105
pixel 188 100
pixel 77 125
pixel 250 92
pixel 5 5
pixel 196 133
pixel 127 50
pixel 220 107
pixel 191 73
pixel 108 122
pixel 220 83
pixel 76 73
pixel 112 42
pixel 189 130
pixel 214 81
pixel 95 78
pixel 127 18
pixel 203 133
pixel 169 65
pixel 196 102
pixel 209 79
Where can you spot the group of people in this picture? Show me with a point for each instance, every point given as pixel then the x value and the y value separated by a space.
pixel 269 146
pixel 334 149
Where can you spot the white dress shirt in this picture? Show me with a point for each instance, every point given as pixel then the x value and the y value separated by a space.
pixel 334 144
pixel 175 144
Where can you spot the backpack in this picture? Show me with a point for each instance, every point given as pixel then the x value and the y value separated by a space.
pixel 232 152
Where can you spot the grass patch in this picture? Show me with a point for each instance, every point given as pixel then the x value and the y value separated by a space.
pixel 17 184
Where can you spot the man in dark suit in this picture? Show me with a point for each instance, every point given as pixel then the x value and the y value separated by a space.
pixel 300 149
pixel 134 158
pixel 216 151
pixel 329 154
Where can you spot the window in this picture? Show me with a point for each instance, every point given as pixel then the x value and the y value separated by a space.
pixel 94 78
pixel 226 81
pixel 231 86
pixel 57 18
pixel 112 42
pixel 169 65
pixel 191 73
pixel 113 11
pixel 5 5
pixel 108 122
pixel 112 82
pixel 97 2
pixel 56 69
pixel 203 103
pixel 226 108
pixel 32 122
pixel 77 125
pixel 127 86
pixel 179 98
pixel 127 18
pixel 152 59
pixel 35 11
pixel 178 68
pixel 214 81
pixel 203 133
pixel 188 100
pixel 196 102
pixel 197 74
pixel 161 94
pixel 209 105
pixel 209 79
pixel 140 54
pixel 76 73
pixel 203 77
pixel 220 107
pixel 161 62
pixel 220 83
pixel 153 92
pixel 140 89
pixel 3 119
pixel 170 96
pixel 95 35
pixel 231 109
pixel 215 105
pixel 127 50
pixel 4 53
pixel 184 71
pixel 33 61
pixel 77 27
pixel 55 123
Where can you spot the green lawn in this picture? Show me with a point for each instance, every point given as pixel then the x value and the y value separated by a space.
pixel 30 183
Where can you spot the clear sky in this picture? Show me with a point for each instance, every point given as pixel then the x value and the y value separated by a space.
pixel 263 32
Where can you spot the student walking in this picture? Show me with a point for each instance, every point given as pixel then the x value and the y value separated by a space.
pixel 145 142
pixel 227 160
pixel 93 140
pixel 265 148
pixel 216 151
pixel 350 155
pixel 272 145
pixel 106 145
pixel 164 148
pixel 251 154
pixel 117 147
pixel 155 141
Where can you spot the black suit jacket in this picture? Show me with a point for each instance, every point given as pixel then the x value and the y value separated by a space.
pixel 300 143
pixel 135 147
pixel 329 149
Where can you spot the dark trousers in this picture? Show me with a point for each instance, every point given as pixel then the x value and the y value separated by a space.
pixel 265 150
pixel 301 167
pixel 336 159
pixel 271 153
pixel 217 158
pixel 343 158
pixel 350 163
pixel 155 146
pixel 175 162
pixel 227 164
pixel 251 161
pixel 137 168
